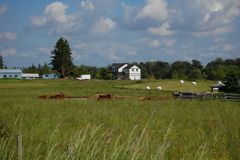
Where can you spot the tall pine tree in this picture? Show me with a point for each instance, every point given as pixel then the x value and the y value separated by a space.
pixel 1 62
pixel 61 57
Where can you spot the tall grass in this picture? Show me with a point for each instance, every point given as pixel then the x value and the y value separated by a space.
pixel 90 143
pixel 114 129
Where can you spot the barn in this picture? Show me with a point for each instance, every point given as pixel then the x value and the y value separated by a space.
pixel 11 73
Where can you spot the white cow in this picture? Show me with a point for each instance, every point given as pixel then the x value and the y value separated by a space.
pixel 148 88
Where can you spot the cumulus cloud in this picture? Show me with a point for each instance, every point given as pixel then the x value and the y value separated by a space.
pixel 163 30
pixel 8 36
pixel 87 5
pixel 8 52
pixel 154 9
pixel 103 26
pixel 55 16
pixel 3 9
pixel 57 11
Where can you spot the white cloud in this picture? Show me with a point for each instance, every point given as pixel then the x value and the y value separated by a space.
pixel 87 5
pixel 38 21
pixel 44 50
pixel 80 45
pixel 8 52
pixel 214 32
pixel 154 43
pixel 228 47
pixel 168 42
pixel 163 30
pixel 103 26
pixel 3 9
pixel 8 36
pixel 154 9
pixel 57 11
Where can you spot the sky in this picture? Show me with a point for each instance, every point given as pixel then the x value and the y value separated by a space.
pixel 101 32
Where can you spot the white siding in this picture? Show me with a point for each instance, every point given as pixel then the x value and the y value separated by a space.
pixel 134 73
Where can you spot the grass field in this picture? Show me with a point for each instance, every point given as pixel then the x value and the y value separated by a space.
pixel 127 128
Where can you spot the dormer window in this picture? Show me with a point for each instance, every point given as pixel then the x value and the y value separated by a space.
pixel 132 69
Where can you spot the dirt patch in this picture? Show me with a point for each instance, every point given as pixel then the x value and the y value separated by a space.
pixel 99 97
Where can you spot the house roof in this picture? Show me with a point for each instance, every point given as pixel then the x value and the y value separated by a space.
pixel 10 71
pixel 117 65
pixel 130 66
pixel 217 86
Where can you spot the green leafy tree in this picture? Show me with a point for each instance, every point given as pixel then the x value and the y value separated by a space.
pixel 232 82
pixel 1 62
pixel 61 58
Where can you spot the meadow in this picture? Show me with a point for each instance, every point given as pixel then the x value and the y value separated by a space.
pixel 124 128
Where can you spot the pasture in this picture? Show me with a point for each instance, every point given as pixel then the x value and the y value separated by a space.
pixel 124 128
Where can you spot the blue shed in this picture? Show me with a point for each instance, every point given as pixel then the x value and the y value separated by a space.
pixel 50 76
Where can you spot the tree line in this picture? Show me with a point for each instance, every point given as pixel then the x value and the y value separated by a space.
pixel 62 63
pixel 218 69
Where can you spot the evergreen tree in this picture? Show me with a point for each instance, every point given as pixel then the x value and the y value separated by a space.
pixel 61 58
pixel 1 62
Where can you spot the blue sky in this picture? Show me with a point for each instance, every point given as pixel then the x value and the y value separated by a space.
pixel 101 32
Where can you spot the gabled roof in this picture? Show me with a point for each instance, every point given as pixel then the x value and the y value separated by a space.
pixel 117 65
pixel 130 66
pixel 11 71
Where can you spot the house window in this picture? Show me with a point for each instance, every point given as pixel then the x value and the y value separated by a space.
pixel 137 69
pixel 133 69
pixel 5 76
pixel 10 76
pixel 16 76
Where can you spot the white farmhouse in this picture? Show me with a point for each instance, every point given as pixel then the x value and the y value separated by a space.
pixel 132 72
pixel 126 71
pixel 11 73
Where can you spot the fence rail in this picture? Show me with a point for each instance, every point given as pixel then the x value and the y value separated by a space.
pixel 220 96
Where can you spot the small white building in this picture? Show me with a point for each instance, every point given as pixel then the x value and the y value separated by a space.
pixel 11 73
pixel 30 76
pixel 132 72
pixel 84 77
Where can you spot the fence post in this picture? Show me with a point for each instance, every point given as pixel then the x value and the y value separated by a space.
pixel 19 146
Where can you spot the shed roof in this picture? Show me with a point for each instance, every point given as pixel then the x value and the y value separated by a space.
pixel 11 71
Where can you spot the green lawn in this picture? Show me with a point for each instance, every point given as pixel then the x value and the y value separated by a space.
pixel 174 85
pixel 115 129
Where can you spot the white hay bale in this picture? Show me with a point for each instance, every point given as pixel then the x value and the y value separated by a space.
pixel 194 83
pixel 219 82
pixel 159 88
pixel 181 81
